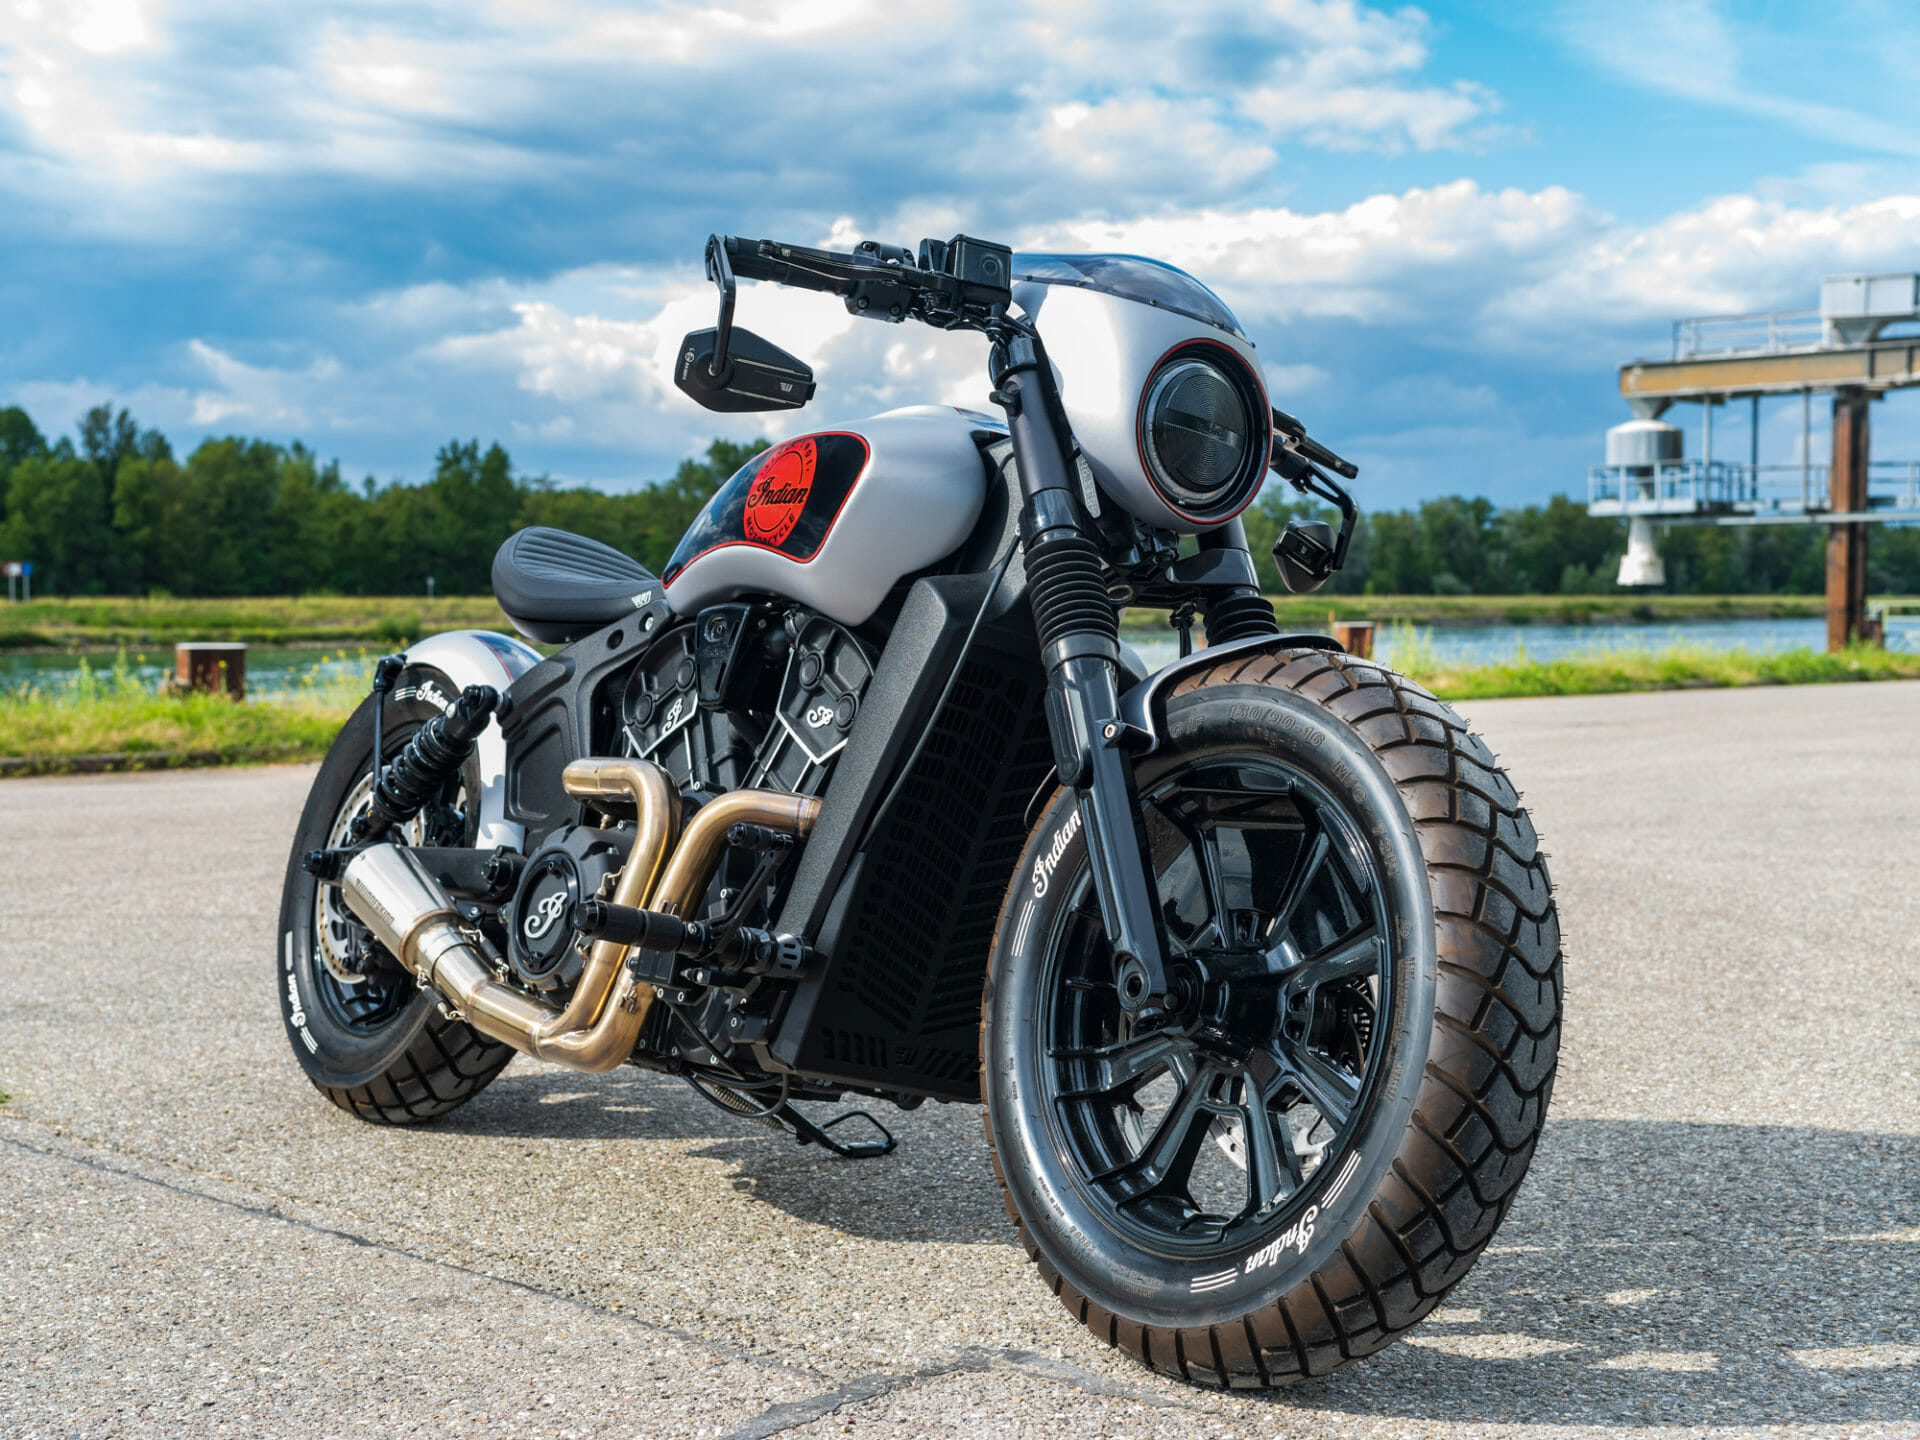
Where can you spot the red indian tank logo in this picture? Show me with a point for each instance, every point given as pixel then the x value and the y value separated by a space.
pixel 779 492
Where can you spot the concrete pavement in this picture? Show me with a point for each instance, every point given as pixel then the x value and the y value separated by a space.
pixel 1722 1230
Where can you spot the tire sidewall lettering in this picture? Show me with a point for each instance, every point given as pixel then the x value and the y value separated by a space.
pixel 331 1056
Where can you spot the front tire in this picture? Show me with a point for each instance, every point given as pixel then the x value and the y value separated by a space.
pixel 367 1036
pixel 1364 932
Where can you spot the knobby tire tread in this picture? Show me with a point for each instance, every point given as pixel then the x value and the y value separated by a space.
pixel 1498 1001
pixel 438 1076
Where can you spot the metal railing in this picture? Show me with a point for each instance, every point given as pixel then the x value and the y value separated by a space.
pixel 1679 487
pixel 1766 332
pixel 1688 486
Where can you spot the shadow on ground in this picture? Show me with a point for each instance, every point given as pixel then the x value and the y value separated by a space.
pixel 1796 1250
pixel 936 1186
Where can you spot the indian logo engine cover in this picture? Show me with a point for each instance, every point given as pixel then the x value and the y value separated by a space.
pixel 779 491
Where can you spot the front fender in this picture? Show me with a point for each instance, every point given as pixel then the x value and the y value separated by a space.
pixel 483 657
pixel 1145 706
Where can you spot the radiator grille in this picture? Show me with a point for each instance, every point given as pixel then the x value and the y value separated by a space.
pixel 915 949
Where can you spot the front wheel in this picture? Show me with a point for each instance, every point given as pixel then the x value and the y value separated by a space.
pixel 1305 1156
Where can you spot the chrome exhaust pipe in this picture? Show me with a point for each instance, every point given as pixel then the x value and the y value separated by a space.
pixel 394 896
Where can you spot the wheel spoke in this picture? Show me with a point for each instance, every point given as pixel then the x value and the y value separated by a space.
pixel 1208 842
pixel 1358 954
pixel 1266 1077
pixel 1263 1155
pixel 1109 1068
pixel 1304 874
pixel 1331 1090
pixel 1167 1157
pixel 1206 855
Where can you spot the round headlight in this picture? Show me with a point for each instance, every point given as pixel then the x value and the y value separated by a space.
pixel 1204 445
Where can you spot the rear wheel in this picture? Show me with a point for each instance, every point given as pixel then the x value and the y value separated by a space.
pixel 369 1039
pixel 1303 1158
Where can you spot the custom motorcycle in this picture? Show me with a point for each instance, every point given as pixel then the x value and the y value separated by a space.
pixel 1252 959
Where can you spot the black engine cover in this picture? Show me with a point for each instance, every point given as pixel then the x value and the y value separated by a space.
pixel 542 946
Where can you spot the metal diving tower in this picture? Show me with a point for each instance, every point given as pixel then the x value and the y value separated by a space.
pixel 1847 349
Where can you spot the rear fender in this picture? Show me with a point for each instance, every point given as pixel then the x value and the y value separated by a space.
pixel 1145 706
pixel 479 657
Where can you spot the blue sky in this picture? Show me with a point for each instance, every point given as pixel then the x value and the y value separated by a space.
pixel 377 226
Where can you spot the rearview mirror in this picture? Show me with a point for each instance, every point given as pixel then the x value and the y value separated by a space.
pixel 751 374
pixel 1304 555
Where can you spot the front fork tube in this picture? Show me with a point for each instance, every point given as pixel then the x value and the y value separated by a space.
pixel 1079 642
pixel 1089 741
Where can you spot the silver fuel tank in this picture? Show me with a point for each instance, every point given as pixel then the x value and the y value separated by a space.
pixel 835 518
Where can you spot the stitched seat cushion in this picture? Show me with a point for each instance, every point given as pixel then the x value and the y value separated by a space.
pixel 556 587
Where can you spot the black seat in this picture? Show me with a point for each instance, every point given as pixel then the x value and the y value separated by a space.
pixel 556 587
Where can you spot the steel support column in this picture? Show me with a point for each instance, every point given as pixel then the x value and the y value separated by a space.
pixel 1847 544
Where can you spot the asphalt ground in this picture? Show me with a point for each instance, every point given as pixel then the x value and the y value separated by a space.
pixel 1721 1233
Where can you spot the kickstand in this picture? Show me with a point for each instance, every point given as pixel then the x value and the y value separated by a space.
pixel 808 1133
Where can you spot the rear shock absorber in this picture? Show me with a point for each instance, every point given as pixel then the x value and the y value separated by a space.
pixel 416 774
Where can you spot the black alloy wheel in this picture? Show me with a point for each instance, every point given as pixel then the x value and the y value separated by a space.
pixel 1193 1132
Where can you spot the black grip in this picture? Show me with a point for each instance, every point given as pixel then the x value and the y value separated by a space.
pixel 823 270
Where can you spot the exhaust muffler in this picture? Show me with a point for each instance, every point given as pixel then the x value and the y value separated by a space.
pixel 407 910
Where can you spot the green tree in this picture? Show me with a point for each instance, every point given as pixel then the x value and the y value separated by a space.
pixel 646 523
pixel 19 438
pixel 1541 547
pixel 57 516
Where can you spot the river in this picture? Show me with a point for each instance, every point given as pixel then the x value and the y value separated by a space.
pixel 274 670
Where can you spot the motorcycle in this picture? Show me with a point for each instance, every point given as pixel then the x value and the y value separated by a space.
pixel 1252 959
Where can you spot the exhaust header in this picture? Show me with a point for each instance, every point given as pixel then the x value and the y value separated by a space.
pixel 394 896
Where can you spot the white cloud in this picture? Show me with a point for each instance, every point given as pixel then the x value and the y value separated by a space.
pixel 258 395
pixel 1111 106
pixel 1513 270
pixel 1355 310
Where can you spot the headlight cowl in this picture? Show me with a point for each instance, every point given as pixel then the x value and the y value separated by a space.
pixel 1205 432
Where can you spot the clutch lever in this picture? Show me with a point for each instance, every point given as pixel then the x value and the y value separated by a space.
pixel 1312 449
pixel 1308 552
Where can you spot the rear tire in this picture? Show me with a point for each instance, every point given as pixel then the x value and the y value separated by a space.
pixel 1448 1092
pixel 380 1049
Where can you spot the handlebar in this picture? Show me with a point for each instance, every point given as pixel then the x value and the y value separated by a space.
pixel 963 282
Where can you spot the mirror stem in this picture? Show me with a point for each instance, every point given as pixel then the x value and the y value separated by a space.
pixel 720 271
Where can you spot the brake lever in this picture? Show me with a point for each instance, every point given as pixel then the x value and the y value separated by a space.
pixel 1311 448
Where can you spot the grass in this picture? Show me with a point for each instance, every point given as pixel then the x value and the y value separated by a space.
pixel 110 622
pixel 111 711
pixel 1607 670
pixel 105 623
pixel 1313 612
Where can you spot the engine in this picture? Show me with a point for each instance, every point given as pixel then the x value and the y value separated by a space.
pixel 746 697
pixel 743 696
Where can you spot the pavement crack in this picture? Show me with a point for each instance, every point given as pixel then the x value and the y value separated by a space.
pixel 276 1214
pixel 791 1414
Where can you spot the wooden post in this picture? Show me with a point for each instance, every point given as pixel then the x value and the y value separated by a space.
pixel 217 668
pixel 1355 637
pixel 1847 544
